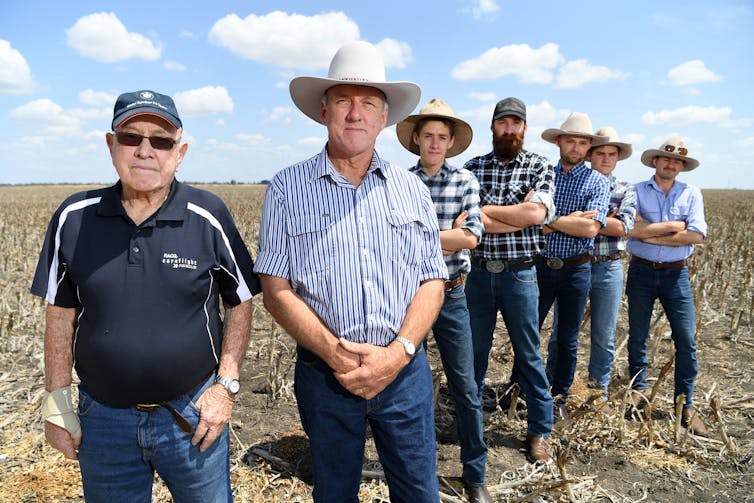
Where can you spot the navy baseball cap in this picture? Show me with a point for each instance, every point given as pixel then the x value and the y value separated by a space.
pixel 510 106
pixel 145 102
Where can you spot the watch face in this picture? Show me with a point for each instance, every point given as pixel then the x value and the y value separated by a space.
pixel 234 386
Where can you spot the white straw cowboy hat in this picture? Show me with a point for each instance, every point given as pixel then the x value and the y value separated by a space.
pixel 435 108
pixel 577 124
pixel 357 63
pixel 609 132
pixel 675 148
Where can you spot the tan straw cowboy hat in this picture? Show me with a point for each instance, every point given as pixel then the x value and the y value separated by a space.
pixel 675 148
pixel 609 132
pixel 435 108
pixel 358 63
pixel 577 124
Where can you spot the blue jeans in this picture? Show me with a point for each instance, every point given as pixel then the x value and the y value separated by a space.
pixel 453 336
pixel 604 300
pixel 402 420
pixel 672 287
pixel 515 295
pixel 121 448
pixel 569 286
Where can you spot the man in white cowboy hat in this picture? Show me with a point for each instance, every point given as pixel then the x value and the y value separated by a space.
pixel 564 270
pixel 351 267
pixel 516 192
pixel 606 288
pixel 672 222
pixel 436 134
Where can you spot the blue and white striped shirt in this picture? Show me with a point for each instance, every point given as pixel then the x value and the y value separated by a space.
pixel 454 190
pixel 355 255
pixel 582 189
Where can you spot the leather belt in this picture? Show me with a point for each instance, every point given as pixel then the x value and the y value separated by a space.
pixel 660 265
pixel 181 421
pixel 606 258
pixel 453 283
pixel 497 266
pixel 556 263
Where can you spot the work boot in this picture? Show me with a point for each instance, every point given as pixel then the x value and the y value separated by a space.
pixel 477 494
pixel 690 420
pixel 537 449
pixel 638 398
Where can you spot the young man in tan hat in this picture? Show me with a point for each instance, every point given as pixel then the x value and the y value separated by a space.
pixel 436 134
pixel 516 192
pixel 606 282
pixel 351 267
pixel 672 222
pixel 564 270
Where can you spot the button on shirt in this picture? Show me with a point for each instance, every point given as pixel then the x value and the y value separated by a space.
pixel 453 191
pixel 582 189
pixel 623 203
pixel 684 202
pixel 355 255
pixel 504 185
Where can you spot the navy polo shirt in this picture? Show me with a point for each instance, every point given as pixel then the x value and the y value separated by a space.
pixel 149 326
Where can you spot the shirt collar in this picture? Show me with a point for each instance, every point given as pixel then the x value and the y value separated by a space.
pixel 574 170
pixel 677 185
pixel 444 171
pixel 324 167
pixel 172 209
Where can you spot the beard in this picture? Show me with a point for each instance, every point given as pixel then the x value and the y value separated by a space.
pixel 572 160
pixel 508 146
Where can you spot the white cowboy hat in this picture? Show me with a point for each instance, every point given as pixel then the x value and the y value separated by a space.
pixel 609 132
pixel 675 148
pixel 357 63
pixel 441 110
pixel 577 124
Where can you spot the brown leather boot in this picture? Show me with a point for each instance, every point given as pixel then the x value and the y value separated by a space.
pixel 690 419
pixel 537 449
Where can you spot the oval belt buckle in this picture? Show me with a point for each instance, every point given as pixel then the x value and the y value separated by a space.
pixel 555 263
pixel 495 266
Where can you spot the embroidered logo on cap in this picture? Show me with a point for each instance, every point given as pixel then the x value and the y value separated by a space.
pixel 146 95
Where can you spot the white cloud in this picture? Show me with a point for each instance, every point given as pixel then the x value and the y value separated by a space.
pixel 15 75
pixel 579 72
pixel 102 37
pixel 530 66
pixel 634 139
pixel 220 123
pixel 278 38
pixel 49 115
pixel 545 114
pixel 280 114
pixel 484 8
pixel 311 140
pixel 97 98
pixel 394 53
pixel 174 66
pixel 692 72
pixel 254 140
pixel 483 96
pixel 746 142
pixel 206 100
pixel 694 115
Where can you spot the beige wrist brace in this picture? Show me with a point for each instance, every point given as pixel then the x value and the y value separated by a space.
pixel 57 408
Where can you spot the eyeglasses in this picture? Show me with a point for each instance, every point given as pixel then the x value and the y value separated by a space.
pixel 669 148
pixel 134 140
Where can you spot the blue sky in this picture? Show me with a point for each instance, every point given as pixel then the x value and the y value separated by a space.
pixel 650 69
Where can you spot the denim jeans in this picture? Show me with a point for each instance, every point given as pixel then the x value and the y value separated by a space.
pixel 644 284
pixel 121 448
pixel 604 301
pixel 569 286
pixel 515 295
pixel 453 336
pixel 402 421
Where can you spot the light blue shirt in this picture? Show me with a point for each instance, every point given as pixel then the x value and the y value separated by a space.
pixel 355 255
pixel 683 202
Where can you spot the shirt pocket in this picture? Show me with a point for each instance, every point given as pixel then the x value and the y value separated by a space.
pixel 406 230
pixel 679 211
pixel 312 245
pixel 515 193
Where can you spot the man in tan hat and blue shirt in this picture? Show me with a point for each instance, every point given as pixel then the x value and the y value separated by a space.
pixel 436 134
pixel 672 222
pixel 564 270
pixel 351 267
pixel 606 288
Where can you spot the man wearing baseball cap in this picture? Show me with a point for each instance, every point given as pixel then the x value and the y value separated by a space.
pixel 134 275
pixel 351 267
pixel 672 222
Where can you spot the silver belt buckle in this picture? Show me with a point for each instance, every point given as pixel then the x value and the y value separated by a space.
pixel 555 263
pixel 495 266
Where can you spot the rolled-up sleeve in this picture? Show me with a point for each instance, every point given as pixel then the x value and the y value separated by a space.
pixel 272 258
pixel 627 209
pixel 696 221
pixel 432 264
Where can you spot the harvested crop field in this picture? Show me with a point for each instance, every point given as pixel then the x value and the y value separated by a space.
pixel 615 457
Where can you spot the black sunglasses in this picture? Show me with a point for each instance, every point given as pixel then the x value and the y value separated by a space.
pixel 669 148
pixel 134 140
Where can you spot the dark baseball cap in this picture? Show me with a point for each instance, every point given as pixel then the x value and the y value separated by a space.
pixel 145 102
pixel 510 106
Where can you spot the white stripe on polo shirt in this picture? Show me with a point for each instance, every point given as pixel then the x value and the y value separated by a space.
pixel 52 277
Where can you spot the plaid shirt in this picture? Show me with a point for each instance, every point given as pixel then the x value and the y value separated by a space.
pixel 454 190
pixel 582 189
pixel 622 199
pixel 508 185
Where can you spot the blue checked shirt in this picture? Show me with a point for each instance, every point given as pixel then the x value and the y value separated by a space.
pixel 622 199
pixel 582 189
pixel 355 255
pixel 504 185
pixel 454 190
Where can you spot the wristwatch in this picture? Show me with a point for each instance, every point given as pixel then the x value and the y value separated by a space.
pixel 408 346
pixel 232 385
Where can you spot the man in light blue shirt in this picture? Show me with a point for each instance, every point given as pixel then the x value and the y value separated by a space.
pixel 351 267
pixel 671 222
